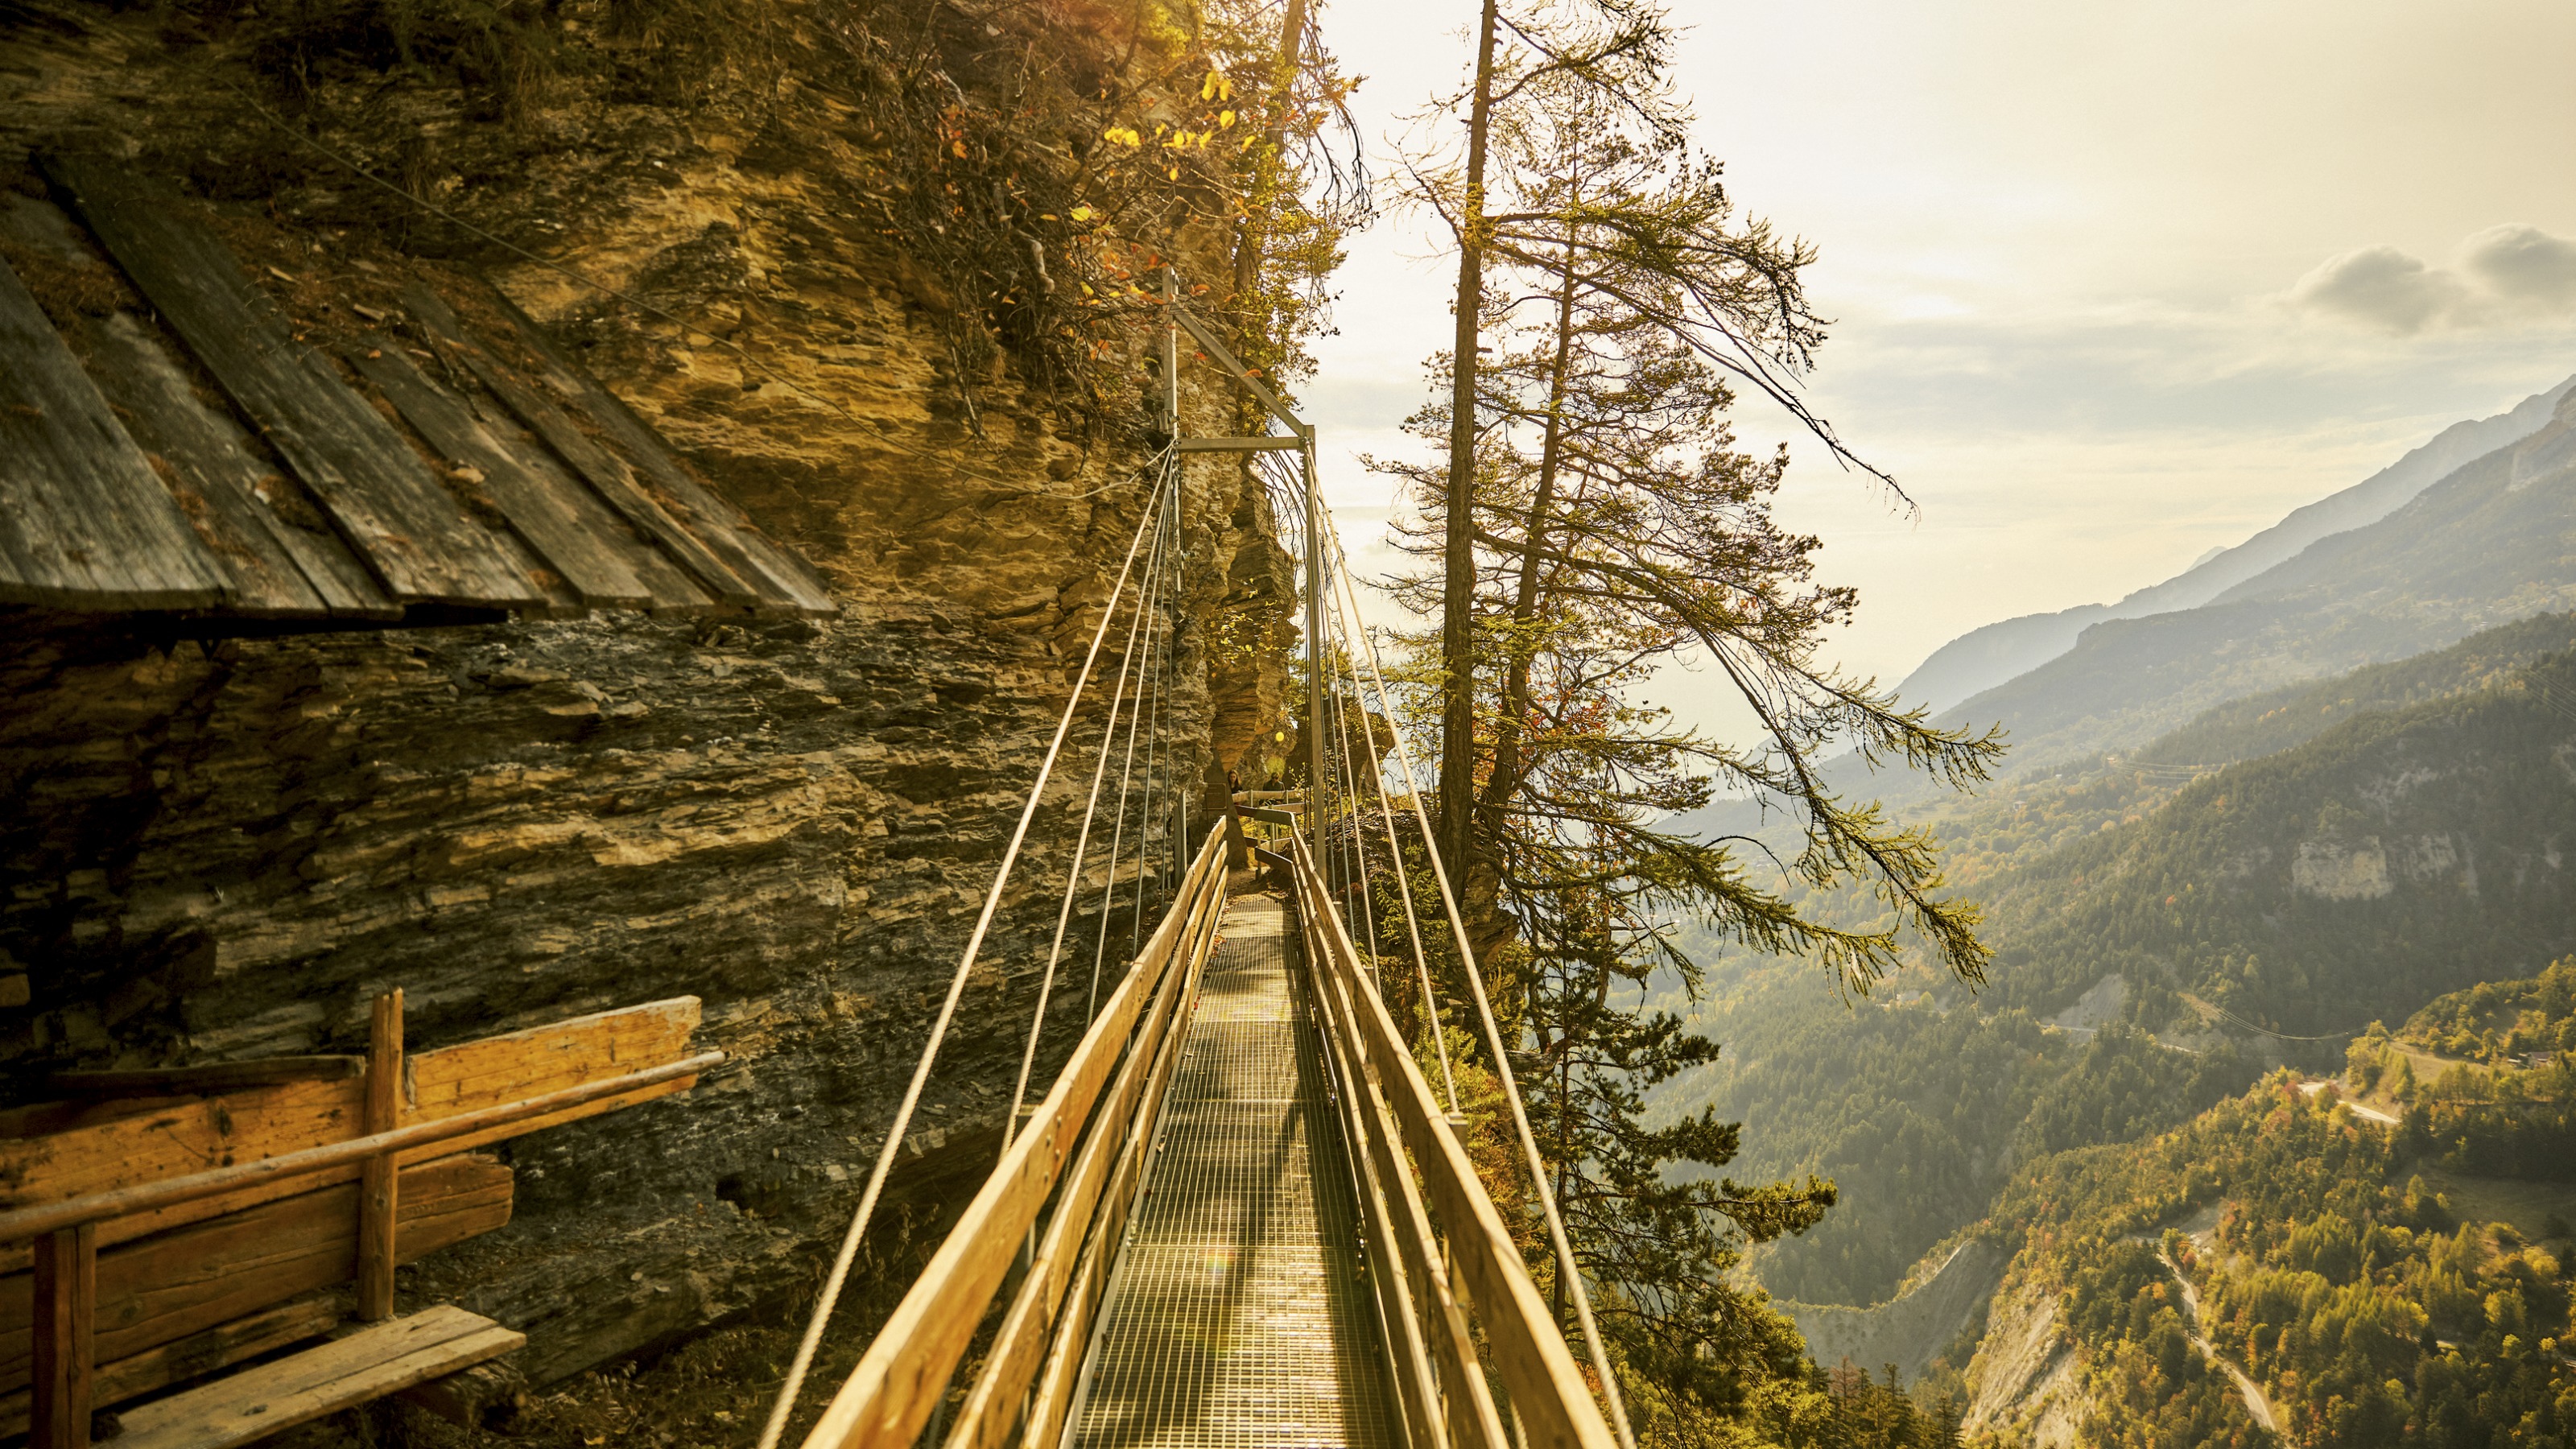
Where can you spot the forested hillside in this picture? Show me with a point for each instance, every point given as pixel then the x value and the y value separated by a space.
pixel 2398 854
pixel 2301 1244
pixel 2263 724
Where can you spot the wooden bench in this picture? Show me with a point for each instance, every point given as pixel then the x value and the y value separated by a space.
pixel 367 1364
pixel 204 1269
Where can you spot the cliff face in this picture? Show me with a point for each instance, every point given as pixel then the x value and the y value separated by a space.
pixel 223 847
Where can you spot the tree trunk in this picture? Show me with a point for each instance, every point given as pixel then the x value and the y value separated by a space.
pixel 1505 781
pixel 1458 584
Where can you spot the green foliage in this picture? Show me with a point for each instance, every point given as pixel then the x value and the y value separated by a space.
pixel 2395 856
pixel 2367 1318
pixel 2497 1022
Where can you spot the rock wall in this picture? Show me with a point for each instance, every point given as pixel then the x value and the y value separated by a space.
pixel 222 847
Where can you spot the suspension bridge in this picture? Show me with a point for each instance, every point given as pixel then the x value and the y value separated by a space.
pixel 1242 1214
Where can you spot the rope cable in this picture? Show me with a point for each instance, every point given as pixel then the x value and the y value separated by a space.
pixel 832 1283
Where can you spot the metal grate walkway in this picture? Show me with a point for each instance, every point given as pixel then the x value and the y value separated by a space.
pixel 1239 1316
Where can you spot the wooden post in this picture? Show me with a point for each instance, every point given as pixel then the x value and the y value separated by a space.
pixel 377 1178
pixel 66 1290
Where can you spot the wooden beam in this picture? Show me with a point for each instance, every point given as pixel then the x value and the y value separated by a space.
pixel 222 1346
pixel 606 472
pixel 1546 1386
pixel 380 492
pixel 65 1329
pixel 84 521
pixel 366 1365
pixel 211 1077
pixel 379 1185
pixel 1467 1408
pixel 295 1166
pixel 1105 1177
pixel 134 1146
pixel 270 537
pixel 1067 1348
pixel 565 523
pixel 163 1289
pixel 784 581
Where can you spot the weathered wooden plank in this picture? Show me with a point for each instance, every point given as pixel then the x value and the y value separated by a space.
pixel 368 1364
pixel 165 1288
pixel 379 1184
pixel 62 1332
pixel 242 503
pixel 606 472
pixel 889 1395
pixel 782 580
pixel 212 1077
pixel 674 592
pixel 415 536
pixel 188 1134
pixel 84 521
pixel 568 527
pixel 221 1346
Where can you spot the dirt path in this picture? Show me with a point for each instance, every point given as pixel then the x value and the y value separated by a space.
pixel 2256 1403
pixel 2367 1113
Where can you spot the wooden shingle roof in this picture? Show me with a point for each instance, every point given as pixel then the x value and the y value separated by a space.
pixel 194 453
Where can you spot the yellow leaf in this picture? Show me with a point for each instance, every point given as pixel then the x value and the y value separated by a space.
pixel 1207 88
pixel 1084 213
pixel 1225 120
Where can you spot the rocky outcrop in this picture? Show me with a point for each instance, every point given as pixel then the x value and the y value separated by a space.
pixel 1911 1329
pixel 223 846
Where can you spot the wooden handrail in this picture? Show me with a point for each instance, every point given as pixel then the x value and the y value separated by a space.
pixel 1546 1386
pixel 901 1377
pixel 35 1222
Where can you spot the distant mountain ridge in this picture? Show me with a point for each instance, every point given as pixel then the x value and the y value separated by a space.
pixel 1996 653
pixel 2492 542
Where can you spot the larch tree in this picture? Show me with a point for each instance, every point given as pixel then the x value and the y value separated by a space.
pixel 1603 525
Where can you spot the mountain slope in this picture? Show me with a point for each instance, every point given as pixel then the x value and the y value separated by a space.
pixel 1983 658
pixel 2397 855
pixel 2493 542
pixel 2275 720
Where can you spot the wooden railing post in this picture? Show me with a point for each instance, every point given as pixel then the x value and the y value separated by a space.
pixel 66 1291
pixel 378 1179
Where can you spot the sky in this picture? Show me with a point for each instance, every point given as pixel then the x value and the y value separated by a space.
pixel 2112 285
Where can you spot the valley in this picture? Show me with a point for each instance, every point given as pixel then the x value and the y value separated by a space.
pixel 2262 1116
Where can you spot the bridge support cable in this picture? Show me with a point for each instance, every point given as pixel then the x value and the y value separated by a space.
pixel 1127 662
pixel 1148 683
pixel 1567 1265
pixel 902 1124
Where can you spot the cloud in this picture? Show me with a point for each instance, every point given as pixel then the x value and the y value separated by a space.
pixel 2381 287
pixel 2505 275
pixel 2523 264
